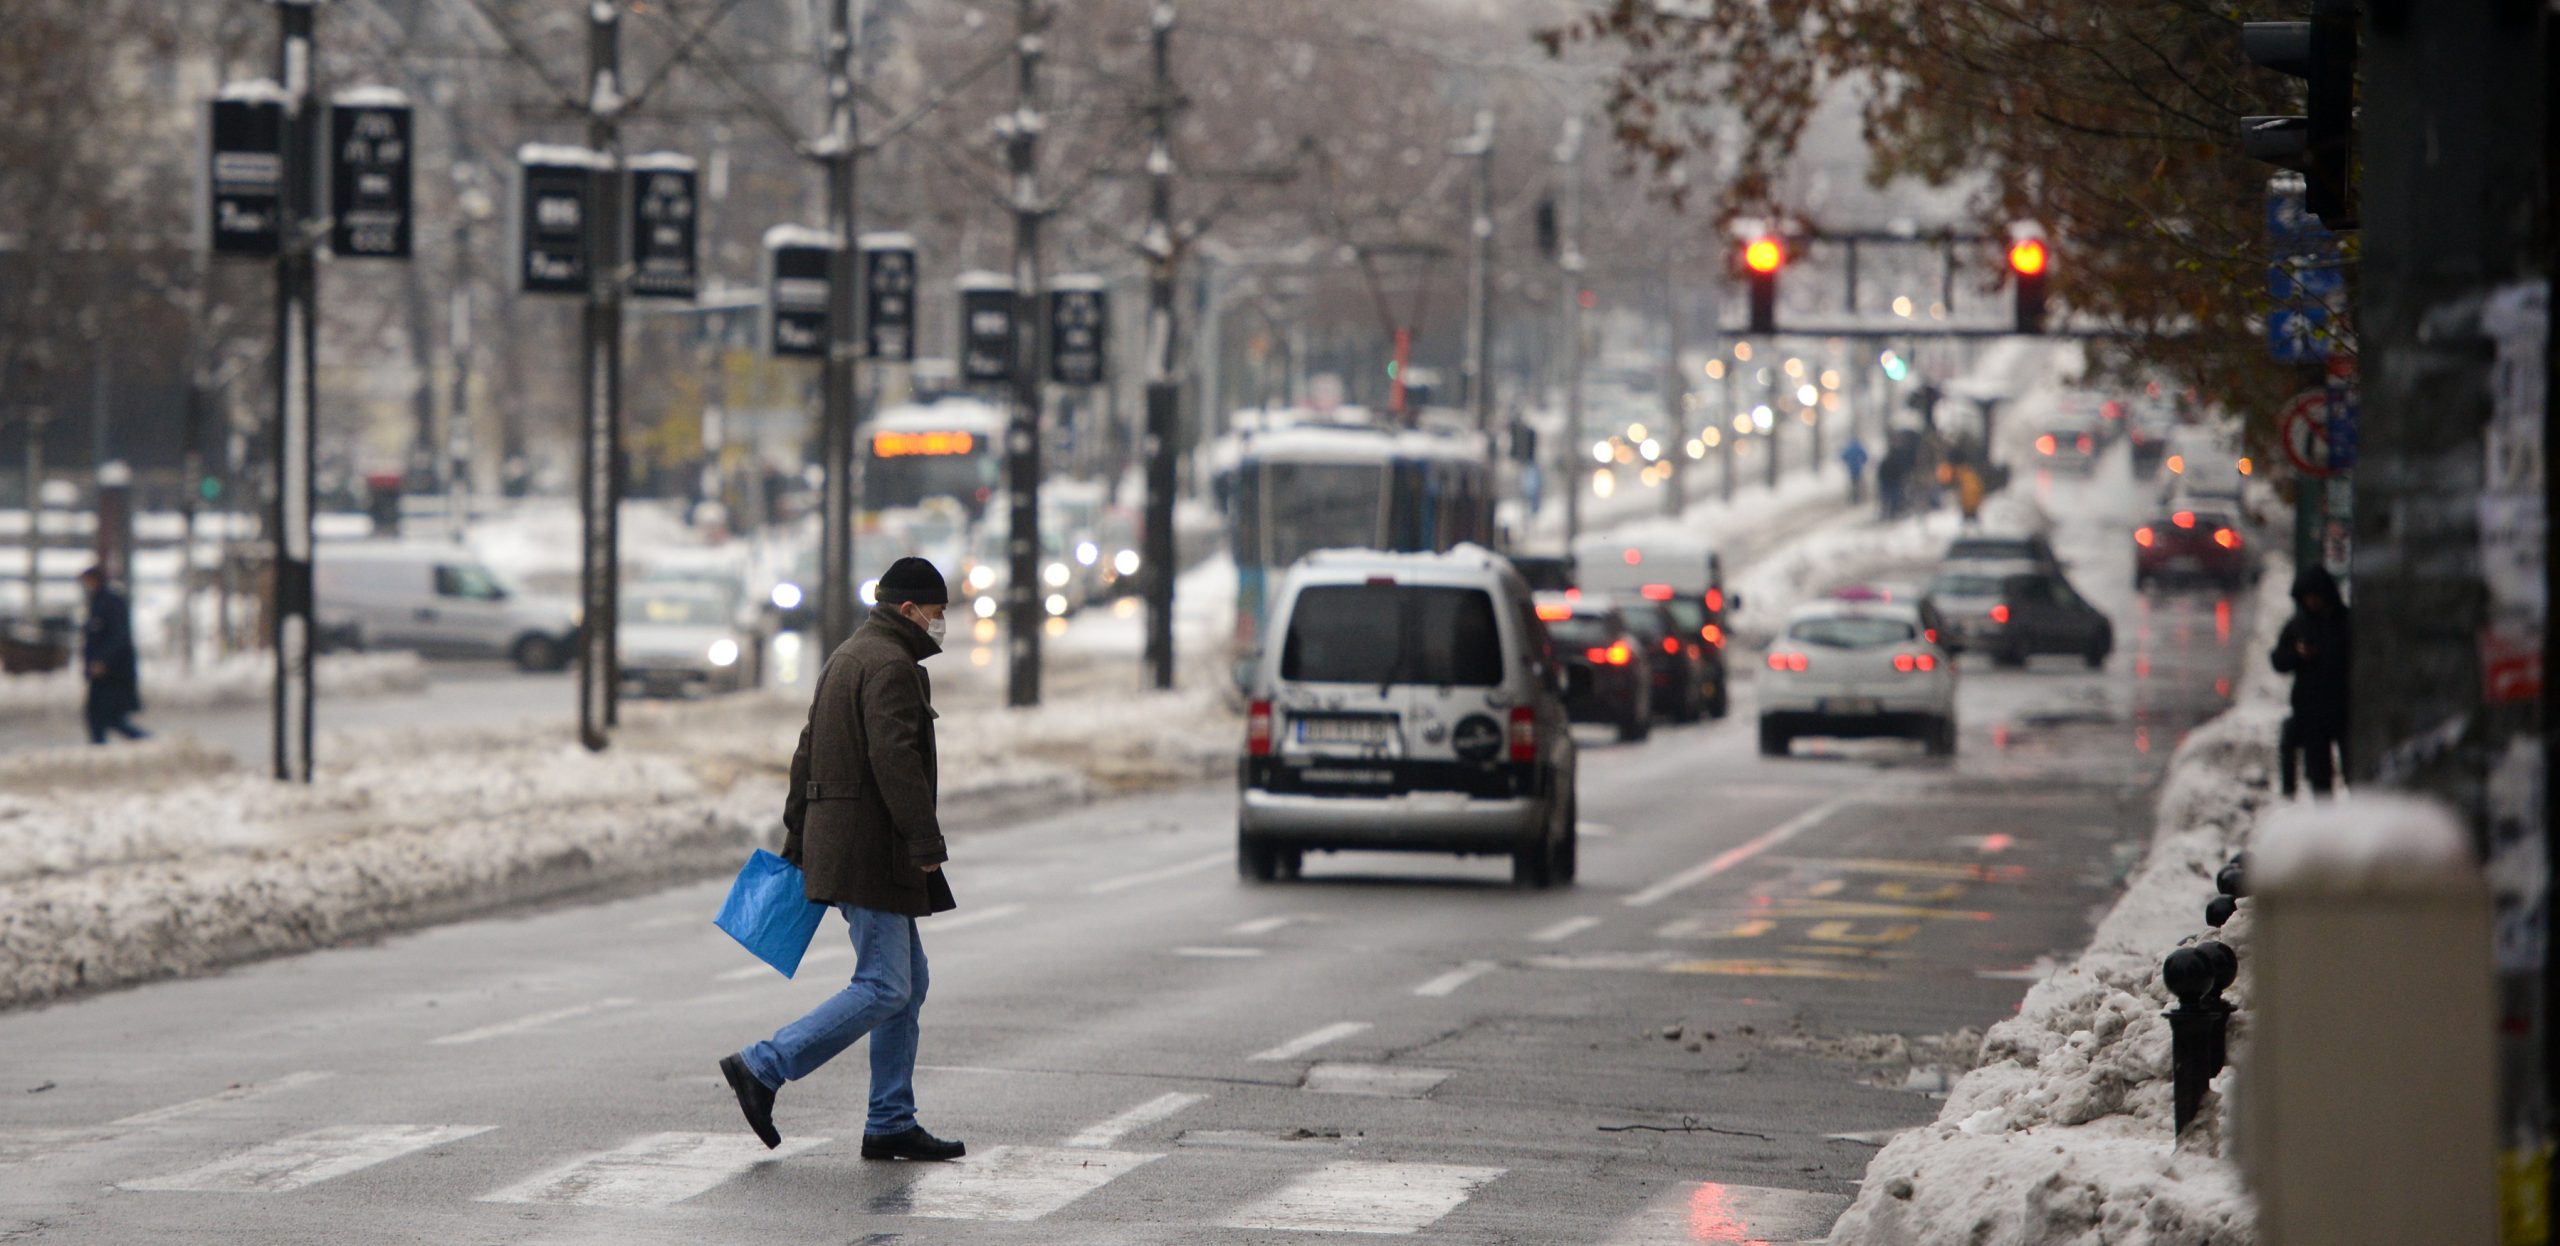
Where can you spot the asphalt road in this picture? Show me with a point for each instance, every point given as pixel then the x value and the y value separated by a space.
pixel 1141 1048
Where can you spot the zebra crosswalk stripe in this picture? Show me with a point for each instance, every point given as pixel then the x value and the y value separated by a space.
pixel 656 1170
pixel 1016 1183
pixel 1356 1196
pixel 309 1158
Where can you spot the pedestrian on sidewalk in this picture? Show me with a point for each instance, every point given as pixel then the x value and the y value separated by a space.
pixel 1854 457
pixel 861 825
pixel 107 657
pixel 2317 648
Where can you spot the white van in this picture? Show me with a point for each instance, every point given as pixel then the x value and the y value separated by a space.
pixel 1412 703
pixel 436 599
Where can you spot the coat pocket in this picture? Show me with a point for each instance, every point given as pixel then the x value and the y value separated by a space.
pixel 839 789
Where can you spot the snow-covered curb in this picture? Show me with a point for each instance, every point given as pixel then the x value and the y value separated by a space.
pixel 2062 1136
pixel 241 679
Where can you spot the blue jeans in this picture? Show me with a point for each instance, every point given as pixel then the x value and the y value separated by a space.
pixel 882 1001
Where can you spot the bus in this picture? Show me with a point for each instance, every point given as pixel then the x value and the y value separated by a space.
pixel 950 449
pixel 1296 489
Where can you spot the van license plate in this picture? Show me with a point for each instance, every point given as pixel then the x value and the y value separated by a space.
pixel 1363 731
pixel 1850 706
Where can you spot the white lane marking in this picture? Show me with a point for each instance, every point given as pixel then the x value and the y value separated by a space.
pixel 1011 1183
pixel 1311 1040
pixel 1565 929
pixel 1712 1213
pixel 20 1145
pixel 1448 983
pixel 1176 870
pixel 1265 925
pixel 1377 1081
pixel 1218 953
pixel 658 1170
pixel 233 1095
pixel 971 917
pixel 1738 854
pixel 1354 1196
pixel 309 1158
pixel 536 1021
pixel 830 953
pixel 1137 1118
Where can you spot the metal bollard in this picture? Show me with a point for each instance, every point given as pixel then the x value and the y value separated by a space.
pixel 2200 1024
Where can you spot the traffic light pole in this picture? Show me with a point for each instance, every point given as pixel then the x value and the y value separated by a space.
pixel 1164 387
pixel 1024 615
pixel 600 467
pixel 297 392
pixel 1568 161
pixel 842 155
pixel 1479 148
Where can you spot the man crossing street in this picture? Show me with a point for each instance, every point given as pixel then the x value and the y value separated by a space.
pixel 862 828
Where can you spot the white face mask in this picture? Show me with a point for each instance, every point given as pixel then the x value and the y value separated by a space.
pixel 935 627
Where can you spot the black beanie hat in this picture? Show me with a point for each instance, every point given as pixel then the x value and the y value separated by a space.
pixel 912 579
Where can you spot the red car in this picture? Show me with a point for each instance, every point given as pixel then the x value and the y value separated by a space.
pixel 2190 545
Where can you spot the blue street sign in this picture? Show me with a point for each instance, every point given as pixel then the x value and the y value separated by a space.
pixel 2341 428
pixel 2298 335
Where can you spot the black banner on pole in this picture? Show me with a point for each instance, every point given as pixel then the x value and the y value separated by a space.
pixel 796 289
pixel 664 212
pixel 244 171
pixel 987 327
pixel 556 192
pixel 370 162
pixel 889 297
pixel 1079 330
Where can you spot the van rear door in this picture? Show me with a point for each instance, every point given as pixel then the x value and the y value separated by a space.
pixel 1402 677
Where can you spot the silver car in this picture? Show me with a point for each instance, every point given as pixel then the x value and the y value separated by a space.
pixel 679 639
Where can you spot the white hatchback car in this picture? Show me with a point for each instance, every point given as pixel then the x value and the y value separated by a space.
pixel 1857 668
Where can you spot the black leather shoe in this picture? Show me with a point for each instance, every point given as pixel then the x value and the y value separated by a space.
pixel 914 1144
pixel 756 1100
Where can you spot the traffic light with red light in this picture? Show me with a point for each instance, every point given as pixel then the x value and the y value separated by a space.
pixel 1762 256
pixel 2028 259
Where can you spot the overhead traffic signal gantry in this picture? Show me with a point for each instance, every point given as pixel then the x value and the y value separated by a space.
pixel 2028 260
pixel 1763 254
pixel 2319 145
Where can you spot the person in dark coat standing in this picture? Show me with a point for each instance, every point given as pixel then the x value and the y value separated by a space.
pixel 2317 648
pixel 861 826
pixel 107 655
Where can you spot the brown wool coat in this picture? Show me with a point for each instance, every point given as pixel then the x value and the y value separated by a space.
pixel 860 814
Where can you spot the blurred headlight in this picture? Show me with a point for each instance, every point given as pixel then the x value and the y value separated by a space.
pixel 1125 562
pixel 982 577
pixel 786 596
pixel 724 652
pixel 1058 605
pixel 1087 553
pixel 986 608
pixel 1056 575
pixel 871 592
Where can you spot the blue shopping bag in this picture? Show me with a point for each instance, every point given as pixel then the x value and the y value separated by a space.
pixel 769 913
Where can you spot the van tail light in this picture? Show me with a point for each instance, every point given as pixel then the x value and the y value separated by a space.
pixel 2143 537
pixel 1618 654
pixel 2184 519
pixel 2046 445
pixel 1712 634
pixel 1524 733
pixel 1671 644
pixel 2000 613
pixel 2226 538
pixel 1257 730
pixel 1554 613
pixel 1787 662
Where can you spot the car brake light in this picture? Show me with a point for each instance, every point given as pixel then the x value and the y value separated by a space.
pixel 1715 600
pixel 2177 464
pixel 1524 733
pixel 1257 730
pixel 1787 662
pixel 1931 633
pixel 1713 635
pixel 2184 519
pixel 1635 558
pixel 1657 592
pixel 2142 537
pixel 1909 662
pixel 1554 613
pixel 2046 444
pixel 2000 613
pixel 1671 644
pixel 1928 661
pixel 2226 538
pixel 1620 654
pixel 2085 443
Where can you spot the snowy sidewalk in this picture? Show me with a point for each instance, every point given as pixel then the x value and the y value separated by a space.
pixel 2062 1136
pixel 241 679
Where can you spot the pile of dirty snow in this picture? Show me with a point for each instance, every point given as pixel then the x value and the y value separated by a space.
pixel 2062 1135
